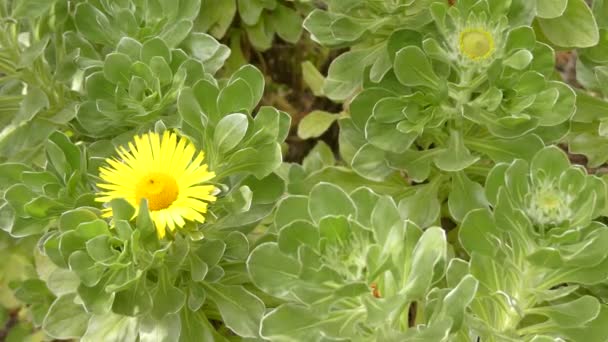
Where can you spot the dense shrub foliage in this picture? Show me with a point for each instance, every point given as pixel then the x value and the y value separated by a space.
pixel 299 170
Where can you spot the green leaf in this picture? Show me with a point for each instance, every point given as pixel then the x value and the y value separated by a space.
pixel 133 301
pixel 165 330
pixel 384 216
pixel 315 123
pixel 287 22
pixel 571 314
pixel 93 24
pixel 296 234
pixel 292 322
pixel 457 270
pixel 116 68
pixel 176 32
pixel 206 49
pixel 65 319
pixel 370 162
pixel 250 11
pixel 476 232
pixel 595 329
pixel 195 327
pixel 465 196
pixel 576 27
pixel 190 110
pixel 62 281
pixel 327 199
pixel 111 327
pixel 211 251
pixel 230 131
pixel 198 269
pixel 519 60
pixel 390 110
pixel 257 161
pixel 505 150
pixel 34 51
pixel 345 74
pixel 40 207
pixel 416 163
pixel 237 246
pixel 456 157
pixel 32 8
pixel 364 105
pixel 161 69
pixel 422 208
pixel 87 270
pixel 241 311
pixel 550 162
pixel 313 78
pixel 266 190
pixel 456 302
pixel 388 136
pixel 130 47
pixel 95 299
pixel 196 296
pixel 318 23
pixel 261 34
pixel 291 208
pixel 271 270
pixel 254 78
pixel 167 299
pixel 591 146
pixel 11 173
pixel 122 210
pixel 413 68
pixel 155 47
pixel 71 219
pixel 319 157
pixel 550 8
pixel 429 251
pixel 236 97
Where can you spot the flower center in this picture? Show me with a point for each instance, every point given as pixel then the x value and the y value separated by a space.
pixel 158 188
pixel 549 206
pixel 476 43
pixel 549 201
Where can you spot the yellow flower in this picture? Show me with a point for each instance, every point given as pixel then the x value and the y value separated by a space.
pixel 165 171
pixel 476 43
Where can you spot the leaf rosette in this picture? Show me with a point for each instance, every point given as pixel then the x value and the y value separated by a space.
pixel 138 84
pixel 536 249
pixel 261 20
pixel 344 269
pixel 448 109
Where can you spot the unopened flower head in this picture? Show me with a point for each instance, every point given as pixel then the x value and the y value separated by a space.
pixel 476 43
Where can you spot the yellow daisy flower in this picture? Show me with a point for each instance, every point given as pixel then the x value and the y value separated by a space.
pixel 165 171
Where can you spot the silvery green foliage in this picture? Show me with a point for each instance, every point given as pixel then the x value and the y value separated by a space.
pixel 535 250
pixel 588 136
pixel 101 72
pixel 111 64
pixel 138 84
pixel 440 108
pixel 261 20
pixel 443 113
pixel 347 266
pixel 365 26
pixel 444 213
pixel 115 276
